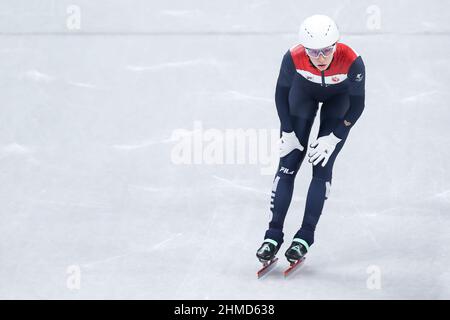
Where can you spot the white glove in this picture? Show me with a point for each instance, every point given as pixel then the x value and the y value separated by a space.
pixel 323 147
pixel 288 143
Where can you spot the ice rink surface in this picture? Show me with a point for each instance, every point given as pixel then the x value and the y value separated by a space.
pixel 86 152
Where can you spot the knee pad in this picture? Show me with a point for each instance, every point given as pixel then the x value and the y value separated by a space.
pixel 286 174
pixel 290 164
pixel 327 183
pixel 327 189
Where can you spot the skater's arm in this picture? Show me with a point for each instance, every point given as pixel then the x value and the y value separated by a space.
pixel 357 78
pixel 287 72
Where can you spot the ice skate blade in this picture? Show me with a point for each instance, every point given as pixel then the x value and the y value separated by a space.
pixel 294 266
pixel 267 266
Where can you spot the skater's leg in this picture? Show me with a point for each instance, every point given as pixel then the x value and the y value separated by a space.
pixel 302 110
pixel 283 183
pixel 319 188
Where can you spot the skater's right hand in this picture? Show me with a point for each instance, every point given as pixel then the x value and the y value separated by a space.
pixel 288 143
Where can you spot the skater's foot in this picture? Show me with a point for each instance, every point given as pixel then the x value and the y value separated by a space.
pixel 267 251
pixel 297 250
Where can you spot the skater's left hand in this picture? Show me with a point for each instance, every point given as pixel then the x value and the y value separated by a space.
pixel 323 147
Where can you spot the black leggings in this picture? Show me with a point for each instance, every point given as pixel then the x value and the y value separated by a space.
pixel 332 112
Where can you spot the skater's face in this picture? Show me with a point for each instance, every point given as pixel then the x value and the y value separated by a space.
pixel 322 62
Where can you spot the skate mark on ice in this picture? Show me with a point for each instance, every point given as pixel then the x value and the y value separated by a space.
pixel 105 260
pixel 399 208
pixel 149 189
pixel 162 243
pixel 37 76
pixel 182 13
pixel 239 186
pixel 251 189
pixel 444 195
pixel 155 247
pixel 141 145
pixel 418 96
pixel 82 85
pixel 15 149
pixel 177 64
pixel 149 143
pixel 236 95
pixel 91 205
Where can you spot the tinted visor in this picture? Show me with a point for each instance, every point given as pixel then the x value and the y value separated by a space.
pixel 314 53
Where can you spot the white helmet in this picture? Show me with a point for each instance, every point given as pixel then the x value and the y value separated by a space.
pixel 318 31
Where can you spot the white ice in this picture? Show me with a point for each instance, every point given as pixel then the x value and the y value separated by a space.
pixel 87 179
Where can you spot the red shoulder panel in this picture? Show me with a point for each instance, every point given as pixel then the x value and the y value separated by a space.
pixel 301 60
pixel 342 60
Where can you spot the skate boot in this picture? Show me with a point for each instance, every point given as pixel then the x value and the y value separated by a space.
pixel 267 251
pixel 297 250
